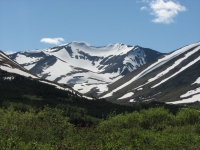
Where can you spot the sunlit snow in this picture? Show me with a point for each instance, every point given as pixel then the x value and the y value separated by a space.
pixel 182 69
pixel 17 71
pixel 59 68
pixel 127 95
pixel 111 49
pixel 176 63
pixel 57 86
pixel 197 81
pixel 131 100
pixel 21 59
pixel 29 66
pixel 85 87
pixel 155 65
pixel 10 59
pixel 187 100
pixel 191 92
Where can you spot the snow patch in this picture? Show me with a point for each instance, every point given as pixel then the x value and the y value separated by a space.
pixel 57 86
pixel 17 71
pixel 28 67
pixel 22 59
pixel 197 81
pixel 140 89
pixel 187 100
pixel 191 92
pixel 127 95
pixel 90 98
pixel 85 87
pixel 132 100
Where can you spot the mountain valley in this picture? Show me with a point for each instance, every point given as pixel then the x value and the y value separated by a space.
pixel 40 114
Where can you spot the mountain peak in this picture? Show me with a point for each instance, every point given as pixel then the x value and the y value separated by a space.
pixel 84 66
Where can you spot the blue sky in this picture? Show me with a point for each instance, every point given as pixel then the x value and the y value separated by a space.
pixel 163 25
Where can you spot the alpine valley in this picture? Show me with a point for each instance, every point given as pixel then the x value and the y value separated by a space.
pixel 42 114
pixel 118 72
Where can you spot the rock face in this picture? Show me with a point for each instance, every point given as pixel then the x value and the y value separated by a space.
pixel 85 67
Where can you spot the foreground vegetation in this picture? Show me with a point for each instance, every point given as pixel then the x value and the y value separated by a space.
pixel 49 128
pixel 37 116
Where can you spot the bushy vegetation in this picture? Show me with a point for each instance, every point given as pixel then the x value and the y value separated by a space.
pixel 36 116
pixel 49 128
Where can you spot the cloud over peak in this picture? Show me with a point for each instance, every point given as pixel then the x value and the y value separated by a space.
pixel 165 10
pixel 55 41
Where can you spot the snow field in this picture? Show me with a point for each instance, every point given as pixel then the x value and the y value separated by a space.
pixel 111 49
pixel 21 59
pixel 58 69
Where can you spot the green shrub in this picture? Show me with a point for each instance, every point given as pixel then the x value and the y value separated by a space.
pixel 122 121
pixel 188 116
pixel 156 118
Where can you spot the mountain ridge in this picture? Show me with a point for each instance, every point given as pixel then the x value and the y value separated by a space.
pixel 82 65
pixel 171 79
pixel 124 74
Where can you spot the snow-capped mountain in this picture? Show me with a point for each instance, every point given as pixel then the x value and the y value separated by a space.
pixel 85 67
pixel 173 78
pixel 11 66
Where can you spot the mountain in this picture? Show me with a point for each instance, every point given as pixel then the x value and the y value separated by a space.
pixel 11 66
pixel 9 69
pixel 119 72
pixel 85 67
pixel 174 78
pixel 23 92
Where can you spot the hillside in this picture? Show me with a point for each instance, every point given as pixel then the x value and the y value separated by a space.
pixel 174 78
pixel 13 67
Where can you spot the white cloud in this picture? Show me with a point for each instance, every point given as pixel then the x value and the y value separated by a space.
pixel 143 8
pixel 55 41
pixel 165 10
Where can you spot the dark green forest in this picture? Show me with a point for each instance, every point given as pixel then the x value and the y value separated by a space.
pixel 38 116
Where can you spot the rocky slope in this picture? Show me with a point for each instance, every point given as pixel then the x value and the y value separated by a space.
pixel 174 78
